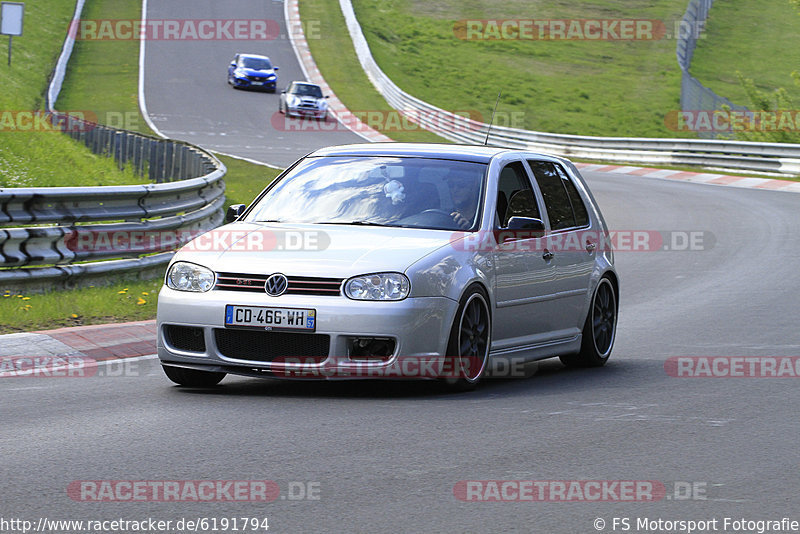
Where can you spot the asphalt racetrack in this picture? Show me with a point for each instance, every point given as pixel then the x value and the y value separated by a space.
pixel 188 97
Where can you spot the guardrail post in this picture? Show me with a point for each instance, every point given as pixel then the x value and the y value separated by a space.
pixel 169 149
pixel 117 142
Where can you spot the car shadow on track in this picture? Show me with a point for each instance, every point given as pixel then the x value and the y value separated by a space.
pixel 549 378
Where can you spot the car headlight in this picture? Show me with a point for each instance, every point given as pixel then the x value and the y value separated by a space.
pixel 378 286
pixel 239 72
pixel 184 276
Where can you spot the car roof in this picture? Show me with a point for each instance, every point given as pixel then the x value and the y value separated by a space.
pixel 256 56
pixel 473 153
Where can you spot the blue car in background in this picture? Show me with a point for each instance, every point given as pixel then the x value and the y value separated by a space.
pixel 252 72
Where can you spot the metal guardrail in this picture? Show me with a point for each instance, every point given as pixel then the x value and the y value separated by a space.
pixel 89 224
pixel 138 226
pixel 734 155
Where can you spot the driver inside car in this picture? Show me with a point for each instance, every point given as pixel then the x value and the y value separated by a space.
pixel 464 191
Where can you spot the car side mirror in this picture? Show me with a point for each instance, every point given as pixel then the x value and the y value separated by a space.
pixel 327 96
pixel 520 228
pixel 276 68
pixel 234 212
pixel 233 64
pixel 526 223
pixel 283 92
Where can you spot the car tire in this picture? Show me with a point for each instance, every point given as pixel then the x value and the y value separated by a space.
pixel 468 345
pixel 191 377
pixel 599 329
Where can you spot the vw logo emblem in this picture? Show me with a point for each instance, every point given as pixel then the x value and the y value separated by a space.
pixel 276 284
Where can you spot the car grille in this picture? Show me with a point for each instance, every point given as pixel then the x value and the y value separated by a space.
pixel 261 346
pixel 298 285
pixel 188 338
pixel 256 78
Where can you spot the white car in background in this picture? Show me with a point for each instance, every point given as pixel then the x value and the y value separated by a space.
pixel 303 99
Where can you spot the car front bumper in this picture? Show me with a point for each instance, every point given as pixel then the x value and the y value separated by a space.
pixel 246 83
pixel 419 329
pixel 305 112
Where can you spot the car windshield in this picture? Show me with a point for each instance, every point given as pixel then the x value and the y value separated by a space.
pixel 255 63
pixel 307 90
pixel 383 191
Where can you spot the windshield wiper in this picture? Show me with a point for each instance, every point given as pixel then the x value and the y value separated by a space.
pixel 357 223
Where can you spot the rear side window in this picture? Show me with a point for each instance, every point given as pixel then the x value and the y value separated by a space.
pixel 578 207
pixel 561 198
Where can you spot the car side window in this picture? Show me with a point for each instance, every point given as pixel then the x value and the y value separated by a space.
pixel 554 193
pixel 515 197
pixel 578 207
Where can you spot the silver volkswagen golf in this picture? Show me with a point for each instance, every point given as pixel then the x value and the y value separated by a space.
pixel 391 260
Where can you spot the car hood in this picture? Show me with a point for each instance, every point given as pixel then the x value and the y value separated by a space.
pixel 301 99
pixel 334 251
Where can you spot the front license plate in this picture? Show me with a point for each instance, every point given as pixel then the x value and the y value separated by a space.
pixel 271 318
pixel 257 83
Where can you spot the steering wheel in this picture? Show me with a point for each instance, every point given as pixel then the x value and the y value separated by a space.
pixel 436 210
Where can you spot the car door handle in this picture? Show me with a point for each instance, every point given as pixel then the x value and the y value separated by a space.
pixel 547 255
pixel 590 247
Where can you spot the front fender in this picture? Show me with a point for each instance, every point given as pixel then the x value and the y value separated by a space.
pixel 448 271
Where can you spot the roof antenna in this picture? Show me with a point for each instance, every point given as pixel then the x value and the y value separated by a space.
pixel 486 141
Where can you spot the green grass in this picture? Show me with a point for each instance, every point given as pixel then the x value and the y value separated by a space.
pixel 103 76
pixel 757 39
pixel 245 180
pixel 123 301
pixel 35 156
pixel 613 88
pixel 334 55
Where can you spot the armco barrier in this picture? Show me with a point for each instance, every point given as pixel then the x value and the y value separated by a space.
pixel 58 236
pixel 775 158
pixel 46 255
